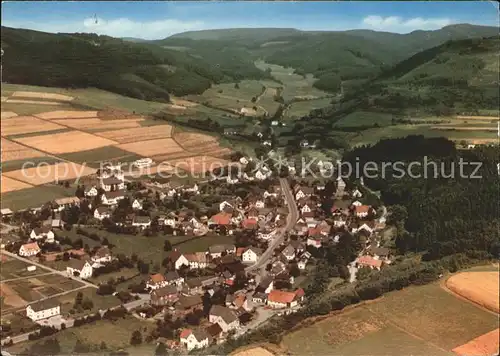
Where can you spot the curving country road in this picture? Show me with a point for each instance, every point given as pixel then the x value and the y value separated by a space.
pixel 291 219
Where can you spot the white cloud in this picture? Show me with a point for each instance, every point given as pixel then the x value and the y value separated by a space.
pixel 398 24
pixel 122 27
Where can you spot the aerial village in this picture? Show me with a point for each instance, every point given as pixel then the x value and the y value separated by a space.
pixel 271 229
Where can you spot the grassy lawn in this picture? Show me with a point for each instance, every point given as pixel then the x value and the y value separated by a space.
pixel 90 98
pixel 150 249
pixel 93 157
pixel 100 301
pixel 364 118
pixel 422 320
pixel 302 108
pixel 34 197
pixel 18 164
pixel 115 334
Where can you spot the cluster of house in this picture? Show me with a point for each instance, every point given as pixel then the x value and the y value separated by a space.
pixel 347 214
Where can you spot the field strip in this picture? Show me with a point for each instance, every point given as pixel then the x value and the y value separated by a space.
pixel 42 95
pixel 10 184
pixel 66 114
pixel 26 124
pixel 11 151
pixel 21 101
pixel 27 277
pixel 463 128
pixel 96 123
pixel 392 323
pixel 7 114
pixel 460 117
pixel 148 133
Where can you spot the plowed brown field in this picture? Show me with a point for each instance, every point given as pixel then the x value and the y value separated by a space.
pixel 66 142
pixel 66 114
pixel 49 173
pixel 150 148
pixel 9 185
pixel 26 124
pixel 14 151
pixel 138 134
pixel 478 287
pixel 484 345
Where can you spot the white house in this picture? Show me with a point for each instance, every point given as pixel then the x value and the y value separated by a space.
pixel 357 203
pixel 91 192
pixel 266 235
pixel 302 264
pixel 112 198
pixel 260 175
pixel 225 204
pixel 112 183
pixel 156 281
pixel 170 222
pixel 279 299
pixel 102 255
pixel 137 205
pixel 357 194
pixel 141 221
pixel 289 252
pixel 43 309
pixel 225 317
pixel 62 203
pixel 28 250
pixel 194 339
pixel 180 261
pixel 259 204
pixel 102 213
pixel 251 255
pixel 40 233
pixel 193 189
pixel 243 160
pixel 215 251
pixel 82 267
pixel 305 209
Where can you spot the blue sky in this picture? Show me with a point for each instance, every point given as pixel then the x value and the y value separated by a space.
pixel 154 20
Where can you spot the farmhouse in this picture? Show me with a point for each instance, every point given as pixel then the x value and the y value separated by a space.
pixel 216 251
pixel 80 268
pixel 197 260
pixel 112 198
pixel 156 281
pixel 369 261
pixel 31 249
pixel 280 299
pixel 112 183
pixel 225 317
pixel 194 339
pixel 141 221
pixel 62 203
pixel 102 255
pixel 164 296
pixel 40 233
pixel 102 213
pixel 43 309
pixel 173 278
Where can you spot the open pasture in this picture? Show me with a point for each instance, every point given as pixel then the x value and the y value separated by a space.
pixel 66 142
pixel 26 124
pixel 101 154
pixel 34 196
pixel 198 164
pixel 14 268
pixel 481 288
pixel 7 114
pixel 41 95
pixel 302 108
pixel 44 174
pixel 98 124
pixel 13 151
pixel 424 320
pixel 365 118
pixel 128 135
pixel 150 148
pixel 10 185
pixel 66 114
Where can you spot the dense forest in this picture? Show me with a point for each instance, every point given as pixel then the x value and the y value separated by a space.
pixel 141 70
pixel 445 210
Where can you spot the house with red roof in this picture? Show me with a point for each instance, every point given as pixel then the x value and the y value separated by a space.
pixel 369 261
pixel 362 211
pixel 31 249
pixel 279 299
pixel 194 338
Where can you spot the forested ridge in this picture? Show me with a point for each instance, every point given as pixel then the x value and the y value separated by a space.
pixel 443 213
pixel 141 70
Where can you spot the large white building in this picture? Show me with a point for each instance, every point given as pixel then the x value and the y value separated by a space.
pixel 43 309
